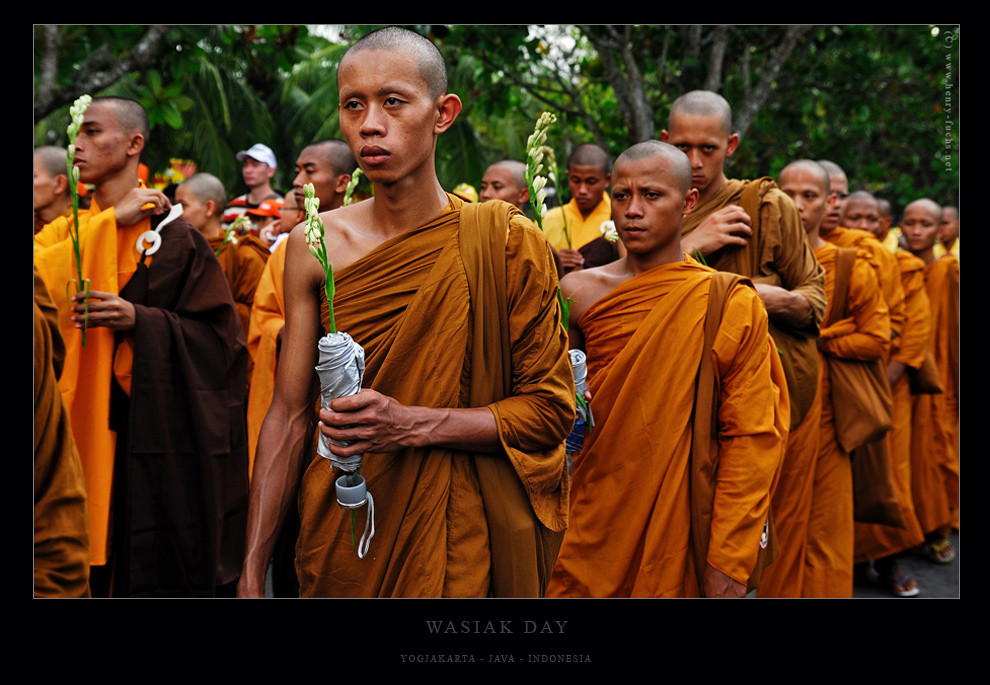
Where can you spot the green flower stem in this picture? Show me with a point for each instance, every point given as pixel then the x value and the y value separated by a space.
pixel 76 112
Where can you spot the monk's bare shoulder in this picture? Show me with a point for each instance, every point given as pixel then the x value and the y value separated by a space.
pixel 348 233
pixel 587 286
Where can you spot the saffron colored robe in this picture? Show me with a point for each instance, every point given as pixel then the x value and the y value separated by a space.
pixel 630 519
pixel 267 322
pixel 888 274
pixel 778 254
pixel 61 519
pixel 874 541
pixel 864 335
pixel 243 263
pixel 158 415
pixel 935 448
pixel 436 332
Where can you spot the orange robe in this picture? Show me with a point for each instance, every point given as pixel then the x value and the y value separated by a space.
pixel 888 274
pixel 427 306
pixel 108 261
pixel 778 254
pixel 863 335
pixel 874 541
pixel 267 322
pixel 175 475
pixel 935 450
pixel 630 526
pixel 61 519
pixel 243 264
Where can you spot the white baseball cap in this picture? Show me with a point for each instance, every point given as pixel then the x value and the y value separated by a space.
pixel 259 152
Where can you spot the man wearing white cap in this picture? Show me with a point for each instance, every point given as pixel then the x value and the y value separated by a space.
pixel 259 167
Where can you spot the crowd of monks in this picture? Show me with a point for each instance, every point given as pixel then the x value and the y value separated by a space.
pixel 174 444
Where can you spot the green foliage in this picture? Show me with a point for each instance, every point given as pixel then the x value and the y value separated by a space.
pixel 881 101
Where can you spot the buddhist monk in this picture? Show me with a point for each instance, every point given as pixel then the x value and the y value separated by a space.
pixel 574 229
pixel 882 545
pixel 752 229
pixel 807 185
pixel 51 186
pixel 156 395
pixel 468 390
pixel 505 181
pixel 859 329
pixel 242 257
pixel 858 222
pixel 935 447
pixel 640 525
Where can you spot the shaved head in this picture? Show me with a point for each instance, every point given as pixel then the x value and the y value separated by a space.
pixel 338 153
pixel 832 168
pixel 926 205
pixel 516 169
pixel 810 165
pixel 52 159
pixel 206 187
pixel 590 154
pixel 680 167
pixel 703 103
pixel 129 114
pixel 395 39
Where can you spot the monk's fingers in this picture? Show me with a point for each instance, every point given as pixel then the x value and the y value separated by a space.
pixel 352 403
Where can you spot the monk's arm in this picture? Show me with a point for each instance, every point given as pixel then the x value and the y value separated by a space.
pixel 750 442
pixel 865 335
pixel 800 273
pixel 792 307
pixel 375 423
pixel 730 225
pixel 286 432
pixel 917 326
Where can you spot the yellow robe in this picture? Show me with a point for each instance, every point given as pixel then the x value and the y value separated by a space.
pixel 874 541
pixel 267 322
pixel 630 527
pixel 864 335
pixel 452 523
pixel 582 231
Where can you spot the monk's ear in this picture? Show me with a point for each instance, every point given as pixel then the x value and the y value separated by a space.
pixel 523 195
pixel 211 208
pixel 61 184
pixel 690 201
pixel 340 184
pixel 664 136
pixel 135 143
pixel 733 144
pixel 448 107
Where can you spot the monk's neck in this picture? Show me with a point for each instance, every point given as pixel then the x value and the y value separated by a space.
pixel 51 212
pixel 711 190
pixel 212 230
pixel 948 245
pixel 112 191
pixel 638 264
pixel 401 207
pixel 815 239
pixel 927 256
